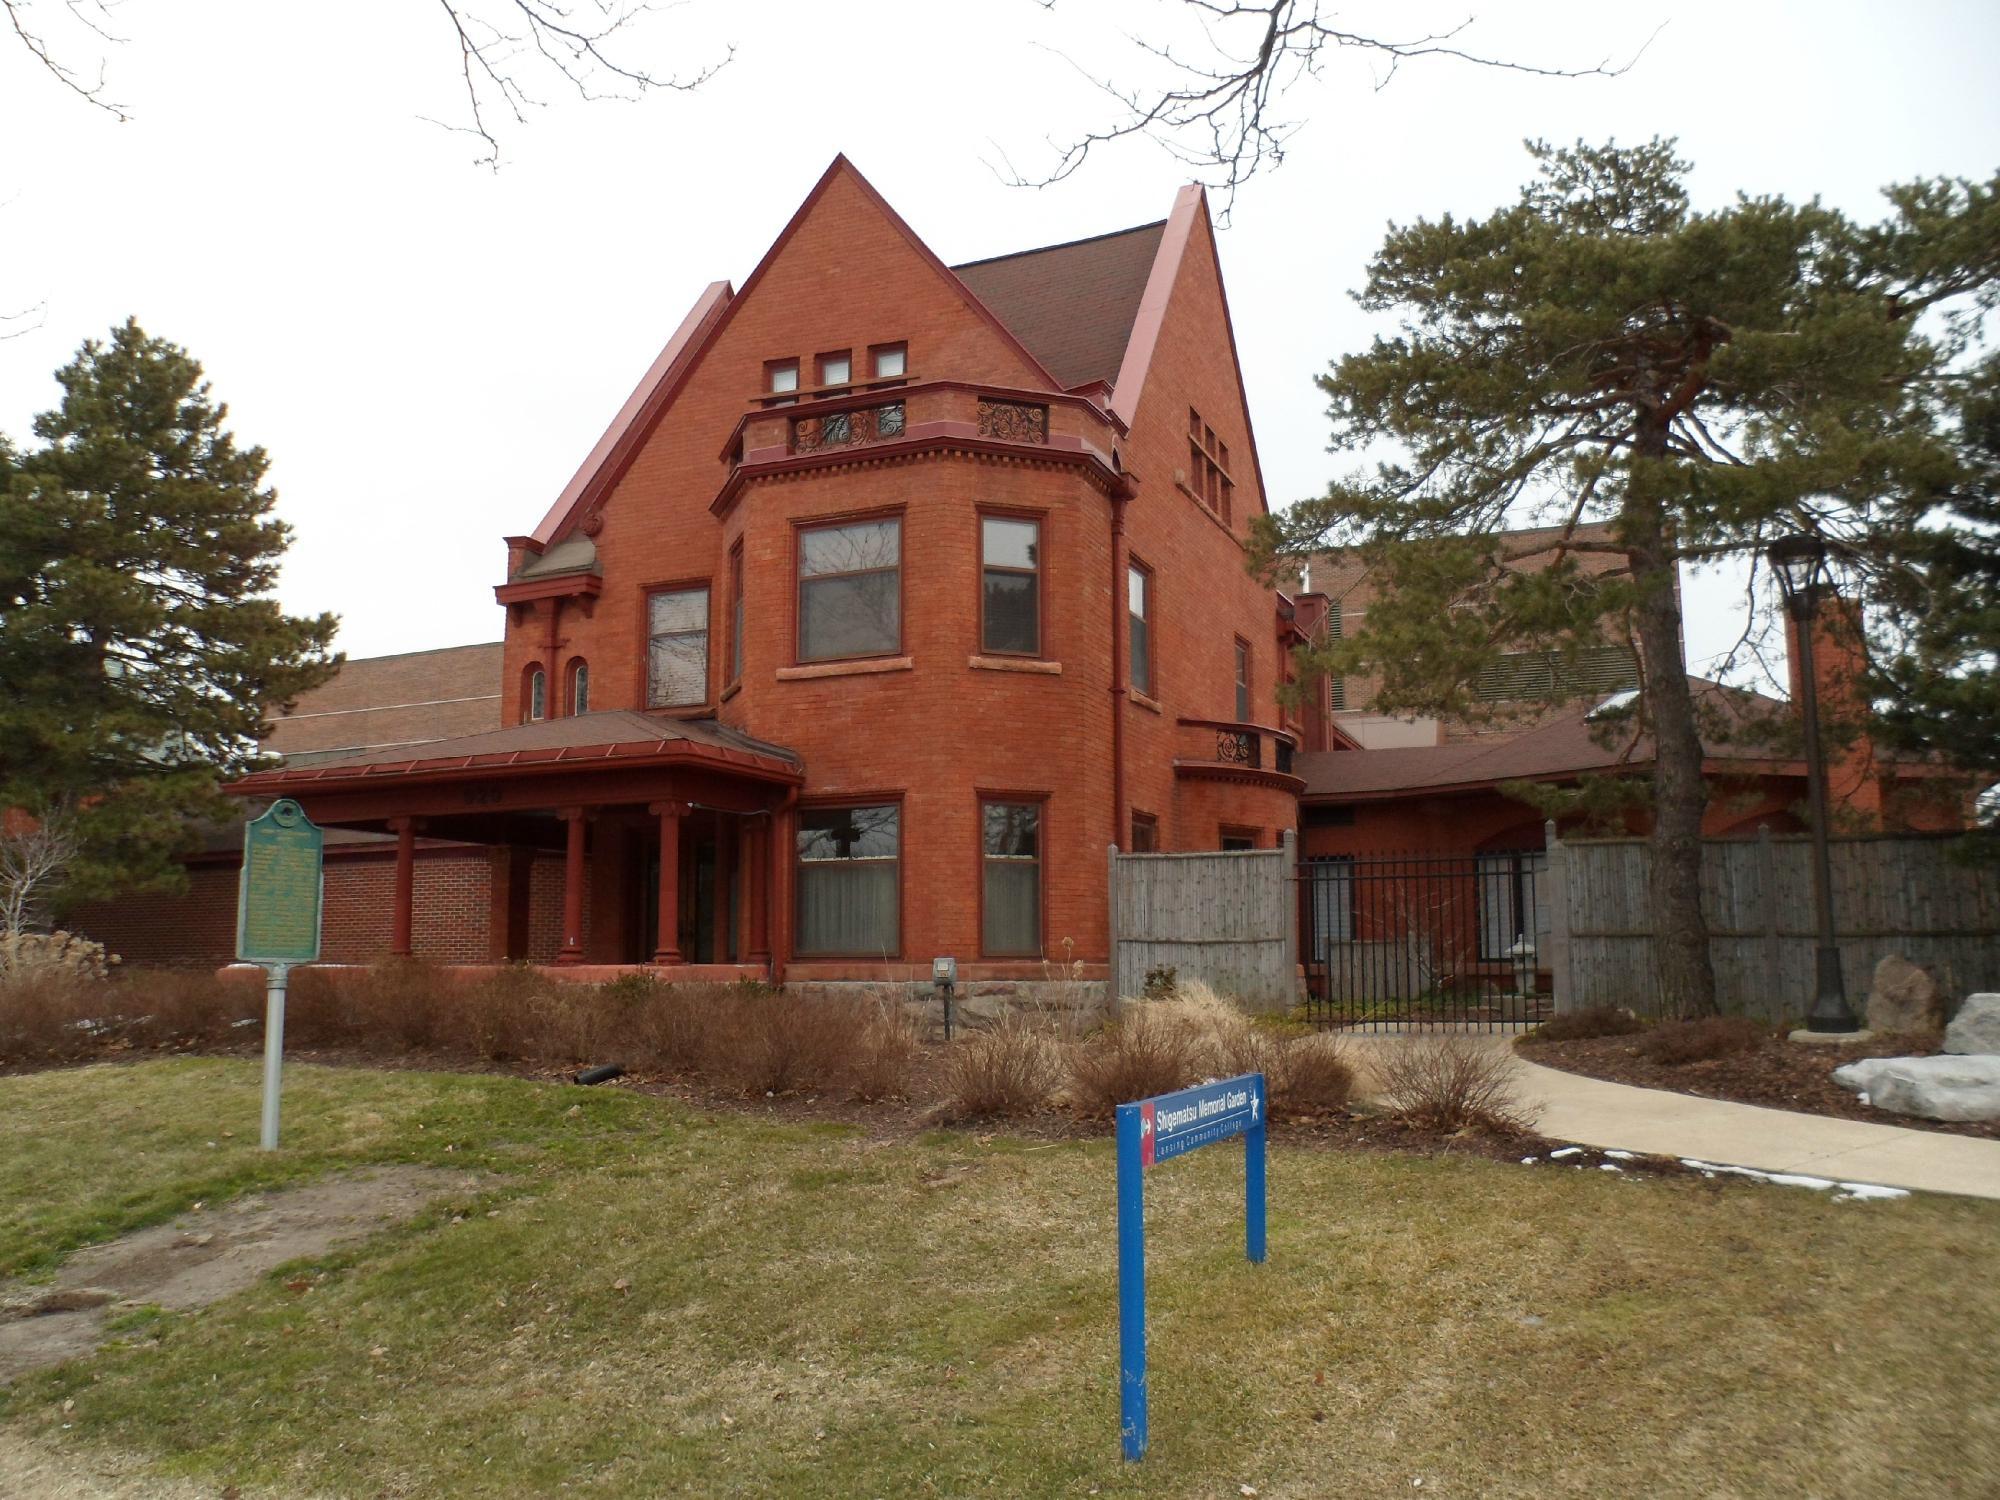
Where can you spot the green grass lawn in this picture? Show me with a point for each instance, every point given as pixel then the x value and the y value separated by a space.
pixel 808 1311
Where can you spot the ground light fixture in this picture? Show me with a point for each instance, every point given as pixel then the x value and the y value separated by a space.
pixel 1800 561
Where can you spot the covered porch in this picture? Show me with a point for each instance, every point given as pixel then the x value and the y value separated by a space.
pixel 672 837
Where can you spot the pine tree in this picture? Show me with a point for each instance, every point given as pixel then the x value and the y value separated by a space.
pixel 1702 381
pixel 140 650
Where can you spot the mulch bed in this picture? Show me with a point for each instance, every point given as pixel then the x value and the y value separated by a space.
pixel 1778 1074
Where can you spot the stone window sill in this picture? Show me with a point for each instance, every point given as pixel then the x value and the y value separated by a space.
pixel 1151 705
pixel 847 668
pixel 1014 664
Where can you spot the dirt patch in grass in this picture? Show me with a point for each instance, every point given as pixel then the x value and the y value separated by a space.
pixel 200 1258
pixel 1776 1073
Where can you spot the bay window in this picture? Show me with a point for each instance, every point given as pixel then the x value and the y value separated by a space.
pixel 849 881
pixel 1010 604
pixel 851 590
pixel 1011 870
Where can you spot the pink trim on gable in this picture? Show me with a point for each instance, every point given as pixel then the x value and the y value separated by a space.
pixel 1190 205
pixel 628 429
pixel 1152 314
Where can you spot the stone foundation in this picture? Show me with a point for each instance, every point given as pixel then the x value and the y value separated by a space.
pixel 976 1005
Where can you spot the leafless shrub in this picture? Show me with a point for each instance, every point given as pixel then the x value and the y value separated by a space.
pixel 1307 1075
pixel 45 1014
pixel 1582 1025
pixel 1680 1042
pixel 1148 1050
pixel 767 1042
pixel 1010 1069
pixel 885 1051
pixel 35 854
pixel 1452 1083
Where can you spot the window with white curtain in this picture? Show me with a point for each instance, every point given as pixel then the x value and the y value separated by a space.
pixel 677 648
pixel 1011 863
pixel 849 881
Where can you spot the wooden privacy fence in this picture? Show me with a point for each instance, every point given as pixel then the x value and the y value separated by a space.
pixel 1905 895
pixel 1229 920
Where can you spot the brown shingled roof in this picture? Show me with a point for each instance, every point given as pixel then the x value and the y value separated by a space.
pixel 382 701
pixel 1565 747
pixel 1071 304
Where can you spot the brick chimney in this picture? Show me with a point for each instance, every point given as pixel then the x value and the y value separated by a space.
pixel 1840 661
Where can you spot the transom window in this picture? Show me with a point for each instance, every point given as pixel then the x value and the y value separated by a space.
pixel 851 590
pixel 1010 603
pixel 1138 609
pixel 849 862
pixel 677 648
pixel 1011 859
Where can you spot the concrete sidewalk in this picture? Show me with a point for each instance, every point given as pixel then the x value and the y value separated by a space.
pixel 1592 1112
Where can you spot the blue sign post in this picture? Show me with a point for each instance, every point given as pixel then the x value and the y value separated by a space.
pixel 1156 1130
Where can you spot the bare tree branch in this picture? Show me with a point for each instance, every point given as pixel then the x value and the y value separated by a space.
pixel 505 47
pixel 34 855
pixel 92 14
pixel 1216 111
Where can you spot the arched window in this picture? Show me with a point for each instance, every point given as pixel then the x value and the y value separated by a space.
pixel 535 696
pixel 578 690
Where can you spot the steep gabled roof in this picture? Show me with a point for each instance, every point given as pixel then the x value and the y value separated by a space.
pixel 656 390
pixel 376 702
pixel 1072 304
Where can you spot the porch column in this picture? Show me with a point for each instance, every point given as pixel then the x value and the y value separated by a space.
pixel 756 894
pixel 725 894
pixel 668 947
pixel 572 943
pixel 404 900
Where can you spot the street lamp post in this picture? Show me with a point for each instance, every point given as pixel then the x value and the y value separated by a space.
pixel 1800 563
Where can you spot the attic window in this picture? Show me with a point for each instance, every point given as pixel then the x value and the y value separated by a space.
pixel 781 377
pixel 1208 467
pixel 890 360
pixel 835 369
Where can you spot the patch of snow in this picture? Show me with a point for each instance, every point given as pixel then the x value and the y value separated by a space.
pixel 1609 1166
pixel 1565 1151
pixel 1849 1191
pixel 1618 1155
pixel 1529 1161
pixel 1614 704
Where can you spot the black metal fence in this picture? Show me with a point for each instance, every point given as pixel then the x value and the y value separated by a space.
pixel 1394 940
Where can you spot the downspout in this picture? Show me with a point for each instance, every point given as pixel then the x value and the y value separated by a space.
pixel 1119 821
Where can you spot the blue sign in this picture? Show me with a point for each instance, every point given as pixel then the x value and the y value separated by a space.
pixel 1156 1130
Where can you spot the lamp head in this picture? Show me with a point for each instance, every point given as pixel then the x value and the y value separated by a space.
pixel 1800 563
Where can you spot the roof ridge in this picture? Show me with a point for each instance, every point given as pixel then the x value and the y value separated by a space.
pixel 1088 239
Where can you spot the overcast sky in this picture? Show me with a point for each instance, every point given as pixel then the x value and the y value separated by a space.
pixel 428 348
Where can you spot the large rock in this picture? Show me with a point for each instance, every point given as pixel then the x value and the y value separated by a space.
pixel 1935 1088
pixel 1904 997
pixel 1975 1030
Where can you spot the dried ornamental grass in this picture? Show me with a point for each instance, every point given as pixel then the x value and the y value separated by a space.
pixel 1452 1083
pixel 1009 1069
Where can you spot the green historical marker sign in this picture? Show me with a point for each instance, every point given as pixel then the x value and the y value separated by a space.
pixel 278 896
pixel 278 901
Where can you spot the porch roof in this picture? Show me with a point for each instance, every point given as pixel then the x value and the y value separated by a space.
pixel 618 738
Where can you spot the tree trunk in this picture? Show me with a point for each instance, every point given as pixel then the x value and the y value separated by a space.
pixel 1680 796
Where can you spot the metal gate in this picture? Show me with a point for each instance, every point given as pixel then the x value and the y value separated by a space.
pixel 1394 940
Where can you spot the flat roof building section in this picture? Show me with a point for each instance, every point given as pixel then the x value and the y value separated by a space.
pixel 386 702
pixel 1073 304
